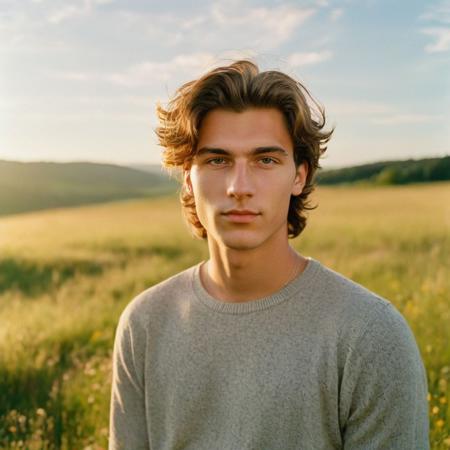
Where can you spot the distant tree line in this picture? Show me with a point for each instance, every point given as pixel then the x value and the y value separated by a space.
pixel 390 172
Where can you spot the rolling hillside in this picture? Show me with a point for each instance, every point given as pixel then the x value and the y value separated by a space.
pixel 390 172
pixel 34 186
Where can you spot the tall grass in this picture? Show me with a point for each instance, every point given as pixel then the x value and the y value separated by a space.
pixel 66 275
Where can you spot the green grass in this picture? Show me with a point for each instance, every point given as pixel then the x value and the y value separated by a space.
pixel 66 275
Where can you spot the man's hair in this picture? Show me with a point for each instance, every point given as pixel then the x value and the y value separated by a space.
pixel 237 87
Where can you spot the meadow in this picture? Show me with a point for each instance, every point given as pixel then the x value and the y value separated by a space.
pixel 66 275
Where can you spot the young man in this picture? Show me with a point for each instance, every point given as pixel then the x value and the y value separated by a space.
pixel 259 347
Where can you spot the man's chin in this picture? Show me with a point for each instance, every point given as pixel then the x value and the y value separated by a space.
pixel 242 242
pixel 241 246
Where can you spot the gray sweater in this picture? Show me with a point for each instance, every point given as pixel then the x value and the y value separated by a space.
pixel 322 364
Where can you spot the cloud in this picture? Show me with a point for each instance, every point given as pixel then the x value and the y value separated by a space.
pixel 74 76
pixel 358 108
pixel 180 67
pixel 219 26
pixel 273 25
pixel 439 17
pixel 400 119
pixel 76 9
pixel 378 113
pixel 308 58
pixel 55 109
pixel 439 12
pixel 25 26
pixel 232 24
pixel 66 12
pixel 336 14
pixel 149 72
pixel 442 39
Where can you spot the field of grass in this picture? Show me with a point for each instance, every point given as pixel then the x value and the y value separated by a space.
pixel 66 275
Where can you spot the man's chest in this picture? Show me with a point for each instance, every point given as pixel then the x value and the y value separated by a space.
pixel 282 383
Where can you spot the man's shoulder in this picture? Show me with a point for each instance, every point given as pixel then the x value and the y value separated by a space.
pixel 352 307
pixel 343 293
pixel 159 298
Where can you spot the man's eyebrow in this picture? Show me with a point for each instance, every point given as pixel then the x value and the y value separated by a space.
pixel 270 149
pixel 213 150
pixel 255 151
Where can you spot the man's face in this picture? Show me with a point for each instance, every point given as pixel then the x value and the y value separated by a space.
pixel 243 176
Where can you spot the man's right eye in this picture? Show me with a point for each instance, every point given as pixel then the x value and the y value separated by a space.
pixel 216 161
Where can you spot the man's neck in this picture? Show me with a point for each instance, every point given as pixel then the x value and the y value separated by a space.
pixel 243 275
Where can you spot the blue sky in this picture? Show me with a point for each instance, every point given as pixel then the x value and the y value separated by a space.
pixel 79 80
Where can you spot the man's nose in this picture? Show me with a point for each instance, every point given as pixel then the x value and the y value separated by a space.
pixel 240 182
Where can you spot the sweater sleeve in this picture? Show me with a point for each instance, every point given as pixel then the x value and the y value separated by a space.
pixel 383 397
pixel 128 428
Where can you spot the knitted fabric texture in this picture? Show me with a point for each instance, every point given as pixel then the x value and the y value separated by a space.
pixel 323 363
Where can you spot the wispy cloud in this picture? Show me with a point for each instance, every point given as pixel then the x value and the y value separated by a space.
pixel 274 25
pixel 219 26
pixel 379 113
pixel 148 73
pixel 308 58
pixel 232 24
pixel 442 39
pixel 183 66
pixel 439 12
pixel 66 12
pixel 358 108
pixel 75 9
pixel 438 16
pixel 130 107
pixel 335 14
pixel 74 76
pixel 24 27
pixel 401 119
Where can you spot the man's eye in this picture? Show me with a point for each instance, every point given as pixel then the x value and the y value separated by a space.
pixel 216 161
pixel 267 160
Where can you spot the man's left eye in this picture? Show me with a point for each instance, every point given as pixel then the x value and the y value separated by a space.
pixel 267 160
pixel 216 161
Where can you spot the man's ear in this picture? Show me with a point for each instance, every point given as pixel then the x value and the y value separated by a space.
pixel 187 181
pixel 300 179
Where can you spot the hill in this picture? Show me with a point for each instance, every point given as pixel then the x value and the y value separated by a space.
pixel 152 168
pixel 390 172
pixel 34 186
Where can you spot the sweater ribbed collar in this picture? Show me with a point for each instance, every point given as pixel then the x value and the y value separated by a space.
pixel 300 283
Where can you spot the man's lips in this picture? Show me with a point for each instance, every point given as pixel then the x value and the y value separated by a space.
pixel 241 215
pixel 243 212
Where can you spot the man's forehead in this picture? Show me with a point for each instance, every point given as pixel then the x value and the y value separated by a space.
pixel 244 131
pixel 252 115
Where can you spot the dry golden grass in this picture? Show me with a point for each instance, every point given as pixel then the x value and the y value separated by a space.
pixel 65 276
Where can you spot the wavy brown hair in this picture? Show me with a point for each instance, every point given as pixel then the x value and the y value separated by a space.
pixel 237 87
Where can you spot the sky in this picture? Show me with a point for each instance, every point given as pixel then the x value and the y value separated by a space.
pixel 79 80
